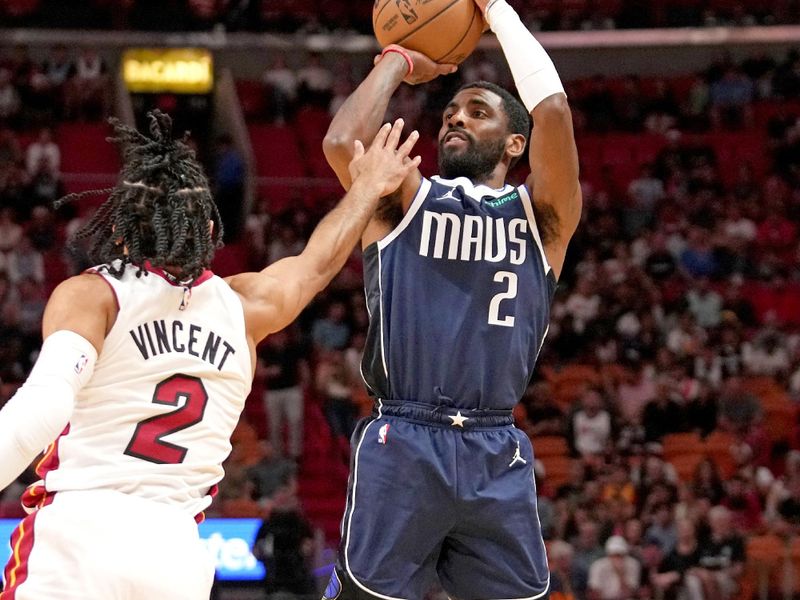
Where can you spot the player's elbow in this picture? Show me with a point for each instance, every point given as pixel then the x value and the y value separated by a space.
pixel 555 107
pixel 337 146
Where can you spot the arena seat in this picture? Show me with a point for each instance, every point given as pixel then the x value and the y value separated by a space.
pixel 764 567
pixel 676 444
pixel 91 153
pixel 550 445
pixel 276 151
pixel 557 469
pixel 685 465
pixel 251 97
pixel 717 447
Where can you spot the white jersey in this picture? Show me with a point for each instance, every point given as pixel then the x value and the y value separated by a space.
pixel 169 385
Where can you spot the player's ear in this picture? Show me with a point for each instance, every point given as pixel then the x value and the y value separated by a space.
pixel 515 144
pixel 211 227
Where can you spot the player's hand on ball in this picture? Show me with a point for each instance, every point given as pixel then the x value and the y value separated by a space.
pixel 387 162
pixel 425 69
pixel 483 4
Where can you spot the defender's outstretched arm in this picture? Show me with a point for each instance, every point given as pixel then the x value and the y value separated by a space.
pixel 274 297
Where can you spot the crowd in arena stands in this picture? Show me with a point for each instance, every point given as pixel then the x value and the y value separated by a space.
pixel 312 16
pixel 663 412
pixel 66 85
pixel 719 97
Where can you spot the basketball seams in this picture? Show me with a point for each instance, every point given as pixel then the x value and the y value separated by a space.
pixel 376 14
pixel 424 23
pixel 467 31
pixel 450 40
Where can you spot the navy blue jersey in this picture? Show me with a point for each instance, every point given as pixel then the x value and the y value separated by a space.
pixel 459 298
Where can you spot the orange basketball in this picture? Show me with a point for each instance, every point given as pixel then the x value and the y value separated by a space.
pixel 446 31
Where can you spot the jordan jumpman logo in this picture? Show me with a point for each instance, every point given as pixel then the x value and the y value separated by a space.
pixel 517 458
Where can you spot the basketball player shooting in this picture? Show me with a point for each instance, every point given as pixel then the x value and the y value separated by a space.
pixel 460 271
pixel 145 367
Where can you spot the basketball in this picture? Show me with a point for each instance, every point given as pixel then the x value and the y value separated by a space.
pixel 446 31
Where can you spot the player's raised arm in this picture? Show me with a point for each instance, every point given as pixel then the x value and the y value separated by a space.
pixel 553 157
pixel 77 317
pixel 274 297
pixel 361 115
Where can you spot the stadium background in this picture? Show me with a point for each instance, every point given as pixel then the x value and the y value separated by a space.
pixel 669 381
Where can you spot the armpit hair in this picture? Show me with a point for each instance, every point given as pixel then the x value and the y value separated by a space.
pixel 547 221
pixel 390 210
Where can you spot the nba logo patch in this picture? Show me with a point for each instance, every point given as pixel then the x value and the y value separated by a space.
pixel 81 364
pixel 334 587
pixel 382 433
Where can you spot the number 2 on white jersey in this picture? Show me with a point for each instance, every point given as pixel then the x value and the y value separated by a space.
pixel 494 305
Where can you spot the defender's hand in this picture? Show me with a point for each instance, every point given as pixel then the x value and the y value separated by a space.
pixel 387 163
pixel 425 69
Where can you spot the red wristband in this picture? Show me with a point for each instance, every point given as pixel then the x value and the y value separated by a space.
pixel 402 52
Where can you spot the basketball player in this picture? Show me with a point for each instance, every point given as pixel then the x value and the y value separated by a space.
pixel 460 270
pixel 145 367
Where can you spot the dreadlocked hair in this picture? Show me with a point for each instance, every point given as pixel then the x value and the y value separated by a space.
pixel 158 212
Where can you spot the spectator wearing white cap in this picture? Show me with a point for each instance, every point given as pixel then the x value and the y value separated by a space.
pixel 617 575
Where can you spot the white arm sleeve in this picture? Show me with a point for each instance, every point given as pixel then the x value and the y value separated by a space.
pixel 534 74
pixel 42 407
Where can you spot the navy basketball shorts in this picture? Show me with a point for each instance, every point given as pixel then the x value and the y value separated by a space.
pixel 440 496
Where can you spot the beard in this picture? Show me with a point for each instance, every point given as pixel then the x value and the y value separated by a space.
pixel 475 161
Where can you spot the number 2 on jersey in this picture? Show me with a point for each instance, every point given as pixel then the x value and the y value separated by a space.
pixel 494 305
pixel 147 442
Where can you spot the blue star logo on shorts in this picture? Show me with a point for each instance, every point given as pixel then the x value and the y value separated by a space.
pixel 334 587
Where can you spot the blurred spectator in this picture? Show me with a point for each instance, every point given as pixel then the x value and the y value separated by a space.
pixel 788 509
pixel 765 355
pixel 662 415
pixel 742 501
pixel 591 425
pixel 271 477
pixel 281 84
pixel 10 232
pixel 730 99
pixel 721 557
pixel 32 300
pixel 704 303
pixel 698 257
pixel 86 93
pixel 587 550
pixel 331 332
pixel 662 531
pixel 560 561
pixel 45 185
pixel 43 152
pixel 583 305
pixel 315 81
pixel 285 544
pixel 671 579
pixel 229 180
pixel 645 192
pixel 617 575
pixel 25 262
pixel 286 373
pixel 334 387
pixel 284 242
pixel 42 229
pixel 9 98
pixel 662 109
pixel 58 68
